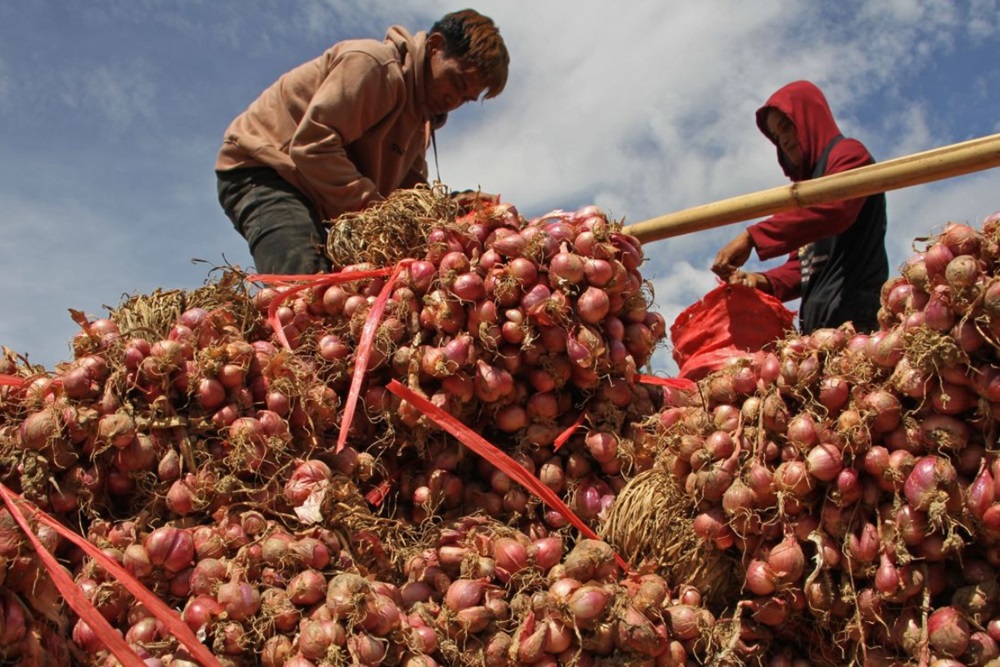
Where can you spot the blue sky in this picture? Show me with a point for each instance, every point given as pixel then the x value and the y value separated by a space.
pixel 113 111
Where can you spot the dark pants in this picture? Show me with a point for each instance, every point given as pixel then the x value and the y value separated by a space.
pixel 284 231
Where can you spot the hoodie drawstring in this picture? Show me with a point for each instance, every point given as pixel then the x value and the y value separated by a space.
pixel 434 145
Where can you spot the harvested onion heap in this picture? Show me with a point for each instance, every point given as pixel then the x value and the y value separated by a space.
pixel 200 455
pixel 519 328
pixel 857 476
pixel 482 594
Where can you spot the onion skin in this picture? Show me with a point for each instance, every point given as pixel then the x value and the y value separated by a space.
pixel 277 651
pixel 793 478
pixel 786 560
pixel 686 622
pixel 464 593
pixel 307 588
pixel 510 554
pixel 824 462
pixel 200 611
pixel 982 648
pixel 593 305
pixel 170 548
pixel 948 632
pixel 936 259
pixel 932 482
pixel 588 602
pixel 637 633
pixel 240 599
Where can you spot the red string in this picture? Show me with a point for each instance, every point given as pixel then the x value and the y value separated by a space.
pixel 363 352
pixel 565 435
pixel 377 496
pixel 75 597
pixel 497 457
pixel 309 281
pixel 677 383
pixel 177 627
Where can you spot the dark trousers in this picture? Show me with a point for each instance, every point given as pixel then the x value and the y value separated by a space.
pixel 284 231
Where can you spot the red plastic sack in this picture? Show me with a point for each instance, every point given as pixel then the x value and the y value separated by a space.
pixel 729 320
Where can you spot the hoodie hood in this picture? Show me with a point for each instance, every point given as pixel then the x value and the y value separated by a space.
pixel 806 105
pixel 412 55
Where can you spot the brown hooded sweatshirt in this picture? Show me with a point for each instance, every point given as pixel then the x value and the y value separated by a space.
pixel 346 129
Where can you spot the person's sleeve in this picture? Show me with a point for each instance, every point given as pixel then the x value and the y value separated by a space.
pixel 355 96
pixel 786 280
pixel 784 232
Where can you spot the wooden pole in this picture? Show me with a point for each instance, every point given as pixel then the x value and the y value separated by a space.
pixel 933 165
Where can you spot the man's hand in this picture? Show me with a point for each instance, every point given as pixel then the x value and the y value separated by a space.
pixel 753 280
pixel 469 200
pixel 733 255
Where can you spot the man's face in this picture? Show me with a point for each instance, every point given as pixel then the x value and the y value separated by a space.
pixel 451 83
pixel 785 135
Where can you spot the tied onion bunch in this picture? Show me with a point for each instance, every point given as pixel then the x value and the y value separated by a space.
pixel 854 476
pixel 197 448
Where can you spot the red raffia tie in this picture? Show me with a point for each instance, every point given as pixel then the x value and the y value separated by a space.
pixel 301 283
pixel 363 352
pixel 677 383
pixel 568 433
pixel 72 593
pixel 378 495
pixel 11 381
pixel 497 457
pixel 83 607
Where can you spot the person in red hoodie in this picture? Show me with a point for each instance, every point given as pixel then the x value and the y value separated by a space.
pixel 346 129
pixel 837 261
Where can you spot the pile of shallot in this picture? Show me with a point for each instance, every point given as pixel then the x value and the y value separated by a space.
pixel 211 458
pixel 480 593
pixel 856 476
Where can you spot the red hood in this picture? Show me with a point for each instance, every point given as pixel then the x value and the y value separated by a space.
pixel 805 104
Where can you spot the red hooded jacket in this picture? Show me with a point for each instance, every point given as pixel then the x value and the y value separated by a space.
pixel 844 241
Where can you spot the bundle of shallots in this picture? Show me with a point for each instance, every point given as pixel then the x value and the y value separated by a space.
pixel 854 476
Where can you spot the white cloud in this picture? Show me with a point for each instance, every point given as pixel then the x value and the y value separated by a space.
pixel 642 112
pixel 984 19
pixel 122 93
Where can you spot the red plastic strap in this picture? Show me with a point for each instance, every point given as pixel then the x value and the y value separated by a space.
pixel 568 433
pixel 283 278
pixel 170 618
pixel 677 383
pixel 11 381
pixel 378 495
pixel 83 607
pixel 497 457
pixel 373 541
pixel 308 281
pixel 313 279
pixel 363 351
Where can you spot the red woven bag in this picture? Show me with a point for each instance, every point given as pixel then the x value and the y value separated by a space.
pixel 729 320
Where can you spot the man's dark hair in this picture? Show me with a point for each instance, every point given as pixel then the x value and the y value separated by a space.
pixel 470 36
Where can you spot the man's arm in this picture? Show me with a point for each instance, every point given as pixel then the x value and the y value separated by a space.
pixel 786 280
pixel 733 255
pixel 784 232
pixel 353 98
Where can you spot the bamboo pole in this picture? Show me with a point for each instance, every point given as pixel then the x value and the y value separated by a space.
pixel 936 164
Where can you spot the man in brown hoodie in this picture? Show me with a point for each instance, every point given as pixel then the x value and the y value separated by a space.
pixel 345 130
